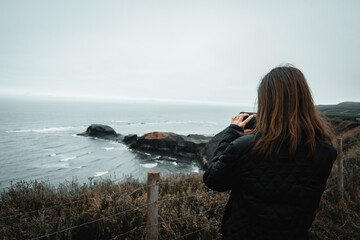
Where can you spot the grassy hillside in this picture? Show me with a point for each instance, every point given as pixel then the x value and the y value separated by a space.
pixel 344 109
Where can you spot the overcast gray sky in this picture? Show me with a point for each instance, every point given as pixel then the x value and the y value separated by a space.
pixel 201 51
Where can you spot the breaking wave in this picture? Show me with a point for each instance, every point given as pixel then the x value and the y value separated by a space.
pixel 45 130
pixel 99 174
pixel 149 165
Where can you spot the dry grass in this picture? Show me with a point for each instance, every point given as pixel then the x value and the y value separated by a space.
pixel 77 204
pixel 337 218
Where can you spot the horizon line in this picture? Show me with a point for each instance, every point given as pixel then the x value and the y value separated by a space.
pixel 51 95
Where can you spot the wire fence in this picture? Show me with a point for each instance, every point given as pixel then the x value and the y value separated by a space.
pixel 160 202
pixel 90 222
pixel 72 202
pixel 195 212
pixel 174 220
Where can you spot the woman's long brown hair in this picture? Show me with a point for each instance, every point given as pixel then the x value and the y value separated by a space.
pixel 287 115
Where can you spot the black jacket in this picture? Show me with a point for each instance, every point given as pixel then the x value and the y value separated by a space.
pixel 270 199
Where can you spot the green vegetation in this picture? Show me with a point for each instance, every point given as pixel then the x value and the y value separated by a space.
pixel 344 109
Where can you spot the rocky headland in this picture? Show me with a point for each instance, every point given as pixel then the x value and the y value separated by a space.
pixel 192 147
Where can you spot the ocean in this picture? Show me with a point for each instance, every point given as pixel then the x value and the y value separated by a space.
pixel 38 138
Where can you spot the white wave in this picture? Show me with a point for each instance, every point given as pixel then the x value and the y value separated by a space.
pixel 119 121
pixel 195 169
pixel 53 165
pixel 52 155
pixel 43 130
pixel 119 145
pixel 149 165
pixel 147 154
pixel 84 154
pixel 171 158
pixel 79 167
pixel 108 148
pixel 98 174
pixel 67 159
pixel 159 161
pixel 174 163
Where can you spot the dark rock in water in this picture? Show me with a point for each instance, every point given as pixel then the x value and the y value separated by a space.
pixel 208 151
pixel 101 131
pixel 95 130
pixel 170 144
pixel 200 137
pixel 130 139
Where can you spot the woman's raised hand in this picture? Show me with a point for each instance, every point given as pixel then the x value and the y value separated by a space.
pixel 239 119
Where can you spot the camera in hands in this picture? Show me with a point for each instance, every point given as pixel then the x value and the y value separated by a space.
pixel 252 123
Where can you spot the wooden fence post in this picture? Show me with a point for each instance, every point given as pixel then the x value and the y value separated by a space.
pixel 152 209
pixel 340 168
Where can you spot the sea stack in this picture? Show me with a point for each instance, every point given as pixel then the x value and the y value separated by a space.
pixel 101 131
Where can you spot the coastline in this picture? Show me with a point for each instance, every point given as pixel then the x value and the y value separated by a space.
pixel 94 210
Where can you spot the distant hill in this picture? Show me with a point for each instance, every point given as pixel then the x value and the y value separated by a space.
pixel 344 109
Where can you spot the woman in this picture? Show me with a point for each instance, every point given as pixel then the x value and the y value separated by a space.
pixel 277 171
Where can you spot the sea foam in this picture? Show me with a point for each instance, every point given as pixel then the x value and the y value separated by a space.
pixel 108 148
pixel 44 130
pixel 67 159
pixel 149 165
pixel 195 169
pixel 98 174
